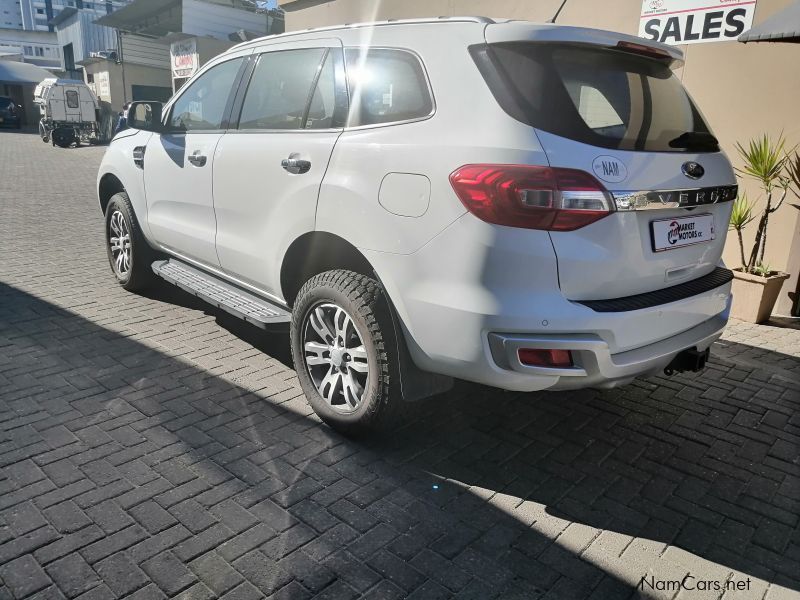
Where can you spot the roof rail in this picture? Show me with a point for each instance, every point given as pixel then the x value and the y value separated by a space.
pixel 468 19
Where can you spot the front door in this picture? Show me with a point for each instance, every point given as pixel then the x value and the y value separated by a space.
pixel 268 170
pixel 178 165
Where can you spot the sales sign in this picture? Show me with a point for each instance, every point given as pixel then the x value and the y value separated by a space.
pixel 695 21
pixel 184 58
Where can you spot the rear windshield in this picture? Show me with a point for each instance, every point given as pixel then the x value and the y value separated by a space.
pixel 598 96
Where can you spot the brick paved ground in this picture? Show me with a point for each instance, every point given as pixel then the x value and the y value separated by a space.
pixel 152 447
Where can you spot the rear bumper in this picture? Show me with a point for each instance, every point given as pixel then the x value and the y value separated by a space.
pixel 595 366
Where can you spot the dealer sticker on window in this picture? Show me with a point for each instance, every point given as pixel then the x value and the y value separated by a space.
pixel 681 231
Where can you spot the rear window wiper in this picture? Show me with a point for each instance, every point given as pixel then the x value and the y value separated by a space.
pixel 695 140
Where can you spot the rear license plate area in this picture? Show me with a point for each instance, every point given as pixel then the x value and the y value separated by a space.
pixel 679 232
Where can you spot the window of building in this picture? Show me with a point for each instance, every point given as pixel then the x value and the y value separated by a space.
pixel 27 50
pixel 386 86
pixel 39 11
pixel 277 95
pixel 202 105
pixel 39 51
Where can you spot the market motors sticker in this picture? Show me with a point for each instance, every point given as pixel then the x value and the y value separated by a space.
pixel 682 231
pixel 609 169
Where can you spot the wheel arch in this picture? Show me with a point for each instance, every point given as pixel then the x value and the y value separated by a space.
pixel 108 186
pixel 316 252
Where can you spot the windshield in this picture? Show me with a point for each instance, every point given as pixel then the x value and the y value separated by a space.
pixel 599 96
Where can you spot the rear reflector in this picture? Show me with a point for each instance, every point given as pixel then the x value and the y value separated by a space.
pixel 531 197
pixel 545 358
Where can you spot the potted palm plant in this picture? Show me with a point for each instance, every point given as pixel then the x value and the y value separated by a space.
pixel 755 285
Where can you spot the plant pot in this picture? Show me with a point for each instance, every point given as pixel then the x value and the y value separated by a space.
pixel 754 296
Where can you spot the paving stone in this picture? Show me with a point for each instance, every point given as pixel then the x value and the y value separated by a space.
pixel 23 576
pixel 73 575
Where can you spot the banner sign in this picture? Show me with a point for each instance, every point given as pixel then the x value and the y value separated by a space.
pixel 695 21
pixel 183 55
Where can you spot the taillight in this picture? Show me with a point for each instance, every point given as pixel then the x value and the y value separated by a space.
pixel 549 198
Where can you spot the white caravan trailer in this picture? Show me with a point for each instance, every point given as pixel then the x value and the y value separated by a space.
pixel 70 112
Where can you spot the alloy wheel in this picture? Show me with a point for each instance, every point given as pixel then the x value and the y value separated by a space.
pixel 119 241
pixel 335 356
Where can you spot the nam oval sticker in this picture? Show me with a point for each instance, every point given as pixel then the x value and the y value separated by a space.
pixel 609 169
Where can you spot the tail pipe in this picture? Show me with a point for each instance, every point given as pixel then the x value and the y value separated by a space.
pixel 691 359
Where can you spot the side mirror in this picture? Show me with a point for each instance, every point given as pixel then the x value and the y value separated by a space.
pixel 146 116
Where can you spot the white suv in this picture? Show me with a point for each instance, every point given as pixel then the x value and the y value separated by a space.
pixel 528 206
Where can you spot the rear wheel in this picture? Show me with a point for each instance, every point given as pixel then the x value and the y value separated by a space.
pixel 344 352
pixel 63 137
pixel 128 252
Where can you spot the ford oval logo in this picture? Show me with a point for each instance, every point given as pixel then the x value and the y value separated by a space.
pixel 692 170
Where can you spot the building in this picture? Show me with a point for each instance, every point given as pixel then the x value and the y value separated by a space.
pixel 193 31
pixel 36 47
pixel 37 15
pixel 744 90
pixel 10 14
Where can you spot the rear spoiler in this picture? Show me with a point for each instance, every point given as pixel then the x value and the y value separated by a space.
pixel 526 31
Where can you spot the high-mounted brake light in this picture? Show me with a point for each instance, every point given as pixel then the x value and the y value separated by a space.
pixel 644 50
pixel 531 197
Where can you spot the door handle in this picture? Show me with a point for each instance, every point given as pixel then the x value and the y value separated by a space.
pixel 296 166
pixel 197 159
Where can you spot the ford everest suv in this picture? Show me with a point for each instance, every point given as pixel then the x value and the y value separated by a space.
pixel 527 206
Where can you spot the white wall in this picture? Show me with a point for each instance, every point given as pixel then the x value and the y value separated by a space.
pixel 202 18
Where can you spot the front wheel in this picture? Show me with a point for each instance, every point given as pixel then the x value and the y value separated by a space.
pixel 128 252
pixel 345 353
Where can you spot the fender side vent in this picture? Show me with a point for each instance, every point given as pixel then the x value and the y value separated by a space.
pixel 138 156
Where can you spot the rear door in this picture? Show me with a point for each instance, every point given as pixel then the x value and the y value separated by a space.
pixel 625 118
pixel 269 166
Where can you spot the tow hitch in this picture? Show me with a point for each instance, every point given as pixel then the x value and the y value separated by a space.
pixel 688 360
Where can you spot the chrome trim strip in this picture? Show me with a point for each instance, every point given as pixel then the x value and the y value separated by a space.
pixel 627 200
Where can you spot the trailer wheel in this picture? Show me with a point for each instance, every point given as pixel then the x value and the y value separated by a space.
pixel 63 137
pixel 43 133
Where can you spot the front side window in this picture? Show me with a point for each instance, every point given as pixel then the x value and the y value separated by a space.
pixel 202 105
pixel 72 99
pixel 386 86
pixel 279 90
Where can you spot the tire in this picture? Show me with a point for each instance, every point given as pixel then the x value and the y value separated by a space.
pixel 63 137
pixel 134 273
pixel 361 298
pixel 43 133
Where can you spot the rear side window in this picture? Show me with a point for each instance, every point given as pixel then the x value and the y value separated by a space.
pixel 598 96
pixel 386 86
pixel 279 90
pixel 5 103
pixel 72 99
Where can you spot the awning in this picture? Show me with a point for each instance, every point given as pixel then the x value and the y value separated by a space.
pixel 783 26
pixel 19 72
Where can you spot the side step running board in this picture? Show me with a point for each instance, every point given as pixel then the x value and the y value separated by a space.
pixel 213 290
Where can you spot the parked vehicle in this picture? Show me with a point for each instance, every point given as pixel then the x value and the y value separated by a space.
pixel 70 112
pixel 527 206
pixel 10 113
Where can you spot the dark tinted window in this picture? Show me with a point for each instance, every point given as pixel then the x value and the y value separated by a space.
pixel 202 105
pixel 602 97
pixel 386 86
pixel 72 99
pixel 279 90
pixel 6 103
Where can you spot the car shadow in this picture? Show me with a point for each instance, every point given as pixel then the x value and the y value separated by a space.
pixel 478 491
